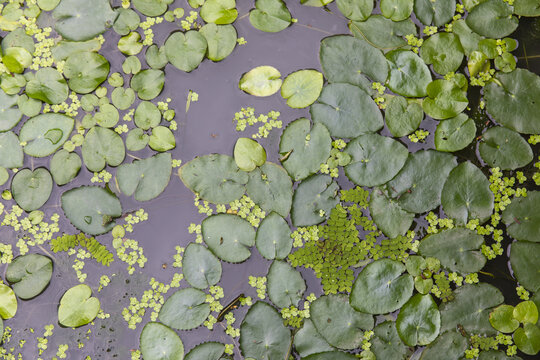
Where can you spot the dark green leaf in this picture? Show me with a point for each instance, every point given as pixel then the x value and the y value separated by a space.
pixel 201 268
pixel 313 200
pixel 273 239
pixel 505 149
pixel 229 237
pixel 186 309
pixel 31 189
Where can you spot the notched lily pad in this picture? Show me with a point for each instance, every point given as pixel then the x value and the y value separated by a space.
pixel 270 187
pixel 273 239
pixel 524 261
pixel 201 268
pixel 261 81
pixel 270 15
pixel 78 307
pixel 45 133
pixel 31 189
pixel 29 275
pixel 522 217
pixel 302 88
pixel 505 149
pixel 248 154
pixel 285 284
pixel 186 309
pixel 186 50
pixel 313 200
pixel 229 237
pixel 102 146
pixel 79 20
pixel 419 320
pixel 159 342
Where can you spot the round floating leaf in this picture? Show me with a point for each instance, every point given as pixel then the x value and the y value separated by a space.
pixel 8 302
pixel 420 182
pixel 505 149
pixel 409 76
pixel 91 209
pixel 381 287
pixel 79 20
pixel 375 160
pixel 524 260
pixel 389 217
pixel 302 88
pixel 65 166
pixel 527 339
pixel 355 10
pixel 215 178
pixel 123 98
pixel 107 116
pixel 200 267
pixel 522 217
pixel 45 133
pixel 16 59
pixel 512 100
pixel 470 308
pixel 455 134
pixel 4 176
pixel 31 189
pixel 502 319
pixel 132 65
pixel 148 83
pixel 468 38
pixel 186 309
pixel 48 85
pixel 273 239
pixel 313 200
pixel 102 146
pixel 526 312
pixel 386 343
pixel 270 15
pixel 496 355
pixel 229 237
pixel 248 154
pixel 403 117
pixel 397 10
pixel 492 19
pixel 78 307
pixel 10 115
pixel 466 194
pixel 152 7
pixel 304 148
pixel 526 8
pixel 450 345
pixel 186 51
pixel 156 57
pixel 445 99
pixel 206 351
pixel 220 12
pixel 347 59
pixel 18 38
pixel 285 284
pixel 28 106
pixel 130 44
pixel 271 188
pixel 419 320
pixel 444 51
pixel 381 32
pixel 338 322
pixel 162 139
pixel 159 342
pixel 261 81
pixel 347 111
pixel 136 140
pixel 146 178
pixel 436 12
pixel 29 275
pixel 331 355
pixel 456 248
pixel 147 115
pixel 221 40
pixel 128 20
pixel 11 152
pixel 308 341
pixel 85 71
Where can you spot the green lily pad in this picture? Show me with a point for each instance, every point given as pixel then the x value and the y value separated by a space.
pixel 450 345
pixel 147 115
pixel 28 106
pixel 308 341
pixel 48 85
pixel 470 308
pixel 152 7
pixel 502 319
pixel 436 12
pixel 386 343
pixel 526 312
pixel 389 217
pixel 221 40
pixel 355 10
pixel 505 148
pixel 85 71
pixel 522 217
pixel 65 166
pixel 313 200
pixel 127 21
pixel 409 76
pixel 130 44
pixel 45 133
pixel 219 12
pixel 271 188
pixel 159 342
pixel 397 10
pixel 270 341
pixel 201 268
pixel 273 238
pixel 468 38
pixel 207 351
pixel 524 261
pixel 4 176
pixel 102 146
pixel 375 160
pixel 136 140
pixel 16 59
pixel 446 99
pixel 347 111
pixel 304 148
pixel 156 57
pixel 162 139
pixel 526 8
pixel 78 307
pixel 261 81
pixel 10 114
pixel 147 178
pixel 403 117
pixel 383 33
pixel 64 49
pixel 248 154
pixel 18 38
pixel 419 321
pixel 420 182
pixel 466 194
pixel 122 98
pixel 381 287
pixel 8 302
pixel 229 237
pixel 270 15
pixel 331 355
pixel 79 20
pixel 31 189
pixel 338 322
pixel 458 249
pixel 91 209
pixel 444 51
pixel 302 88
pixel 285 284
pixel 11 152
pixel 496 355
pixel 492 19
pixel 186 309
pixel 455 134
pixel 107 116
pixel 148 83
pixel 132 65
pixel 186 51
pixel 527 339
pixel 29 275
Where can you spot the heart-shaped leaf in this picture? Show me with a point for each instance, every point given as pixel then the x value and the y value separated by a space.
pixel 78 307
pixel 31 189
pixel 186 309
pixel 159 342
pixel 229 237
pixel 201 268
pixel 29 275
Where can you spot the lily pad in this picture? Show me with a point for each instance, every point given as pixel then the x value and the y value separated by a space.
pixel 502 319
pixel 147 115
pixel 127 21
pixel 79 20
pixel 215 178
pixel 11 152
pixel 221 40
pixel 381 287
pixel 304 148
pixel 152 7
pixel 313 200
pixel 31 189
pixel 331 355
pixel 419 320
pixel 48 85
pixel 229 237
pixel 45 133
pixel 505 148
pixel 270 15
pixel 159 342
pixel 156 57
pixel 302 88
pixel 219 12
pixel 522 217
pixel 261 81
pixel 102 146
pixel 444 51
pixel 78 307
pixel 386 343
pixel 201 268
pixel 468 38
pixel 8 302
pixel 65 166
pixel 273 238
pixel 10 114
pixel 136 140
pixel 446 99
pixel 270 187
pixel 85 71
pixel 122 98
pixel 207 351
pixel 285 284
pixel 383 33
pixel 29 275
pixel 91 209
pixel 186 51
pixel 455 134
pixel 249 154
pixel 403 117
pixel 355 10
pixel 375 160
pixel 527 339
pixel 492 19
pixel 308 341
pixel 450 345
pixel 436 12
pixel 526 8
pixel 162 139
pixel 148 83
pixel 4 176
pixel 526 312
pixel 16 59
pixel 409 76
pixel 347 111
pixel 338 322
pixel 524 260
pixel 389 217
pixel 397 10
pixel 186 309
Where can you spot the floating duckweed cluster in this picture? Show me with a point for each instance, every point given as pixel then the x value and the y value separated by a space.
pixel 246 117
